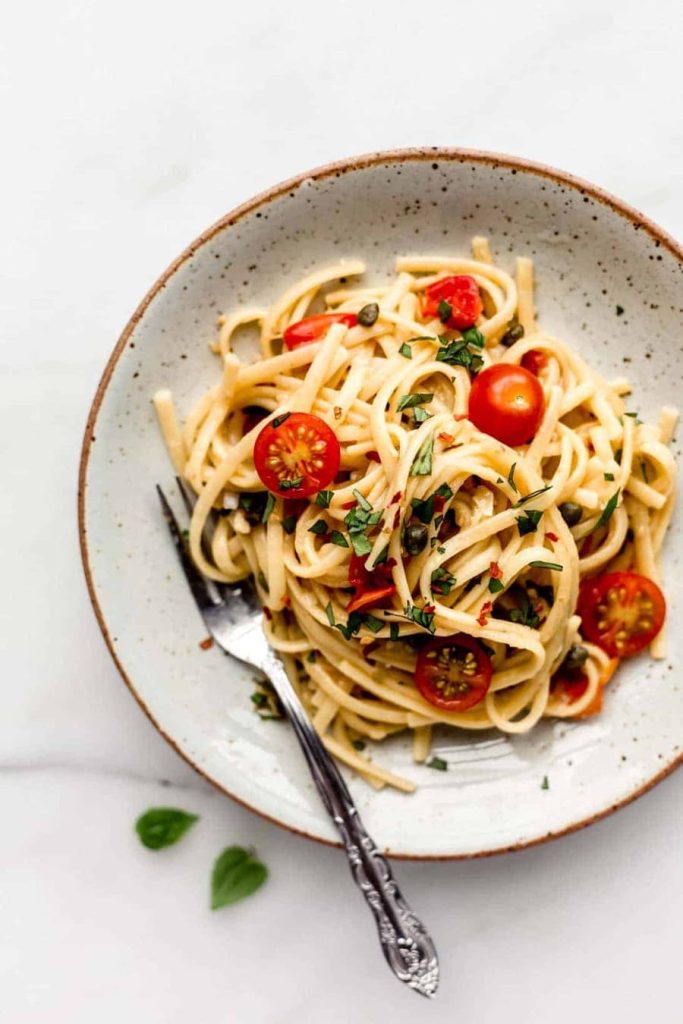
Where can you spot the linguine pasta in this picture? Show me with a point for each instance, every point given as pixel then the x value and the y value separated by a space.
pixel 500 563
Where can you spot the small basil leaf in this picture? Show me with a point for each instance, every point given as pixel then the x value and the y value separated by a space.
pixel 236 874
pixel 163 826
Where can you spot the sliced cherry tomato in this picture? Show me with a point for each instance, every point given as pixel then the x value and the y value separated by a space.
pixel 571 686
pixel 296 454
pixel 461 292
pixel 507 402
pixel 621 612
pixel 534 361
pixel 371 588
pixel 311 328
pixel 453 672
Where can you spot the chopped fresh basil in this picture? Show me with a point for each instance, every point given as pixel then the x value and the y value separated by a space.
pixel 358 744
pixel 360 543
pixel 311 657
pixel 422 463
pixel 495 586
pixel 362 501
pixel 444 310
pixel 236 874
pixel 547 565
pixel 323 498
pixel 423 509
pixel 609 476
pixel 393 631
pixel 339 539
pixel 420 415
pixel 420 617
pixel 259 698
pixel 473 336
pixel 442 581
pixel 438 764
pixel 319 527
pixel 457 353
pixel 524 614
pixel 409 401
pixel 617 456
pixel 289 524
pixel 279 420
pixel 545 784
pixel 608 510
pixel 404 350
pixel 511 477
pixel 290 485
pixel 268 507
pixel 329 612
pixel 528 521
pixel 163 826
pixel 530 497
pixel 373 623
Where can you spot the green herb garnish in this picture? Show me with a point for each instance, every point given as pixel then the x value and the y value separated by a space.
pixel 547 565
pixel 319 527
pixel 438 764
pixel 262 582
pixel 409 401
pixel 442 581
pixel 528 521
pixel 495 586
pixel 422 463
pixel 609 476
pixel 311 657
pixel 393 631
pixel 420 415
pixel 163 826
pixel 279 420
pixel 289 524
pixel 330 613
pixel 511 477
pixel 358 744
pixel 362 501
pixel 360 543
pixel 473 336
pixel 236 874
pixel 444 310
pixel 608 510
pixel 339 539
pixel 545 784
pixel 290 485
pixel 323 498
pixel 268 508
pixel 404 350
pixel 530 497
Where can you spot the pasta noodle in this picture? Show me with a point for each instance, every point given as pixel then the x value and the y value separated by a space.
pixel 394 403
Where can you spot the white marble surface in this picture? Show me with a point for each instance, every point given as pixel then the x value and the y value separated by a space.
pixel 127 128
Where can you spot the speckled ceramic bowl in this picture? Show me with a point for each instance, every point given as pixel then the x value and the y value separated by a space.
pixel 594 257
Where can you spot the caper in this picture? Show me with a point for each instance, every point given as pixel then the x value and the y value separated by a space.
pixel 514 332
pixel 575 658
pixel 415 538
pixel 368 314
pixel 571 513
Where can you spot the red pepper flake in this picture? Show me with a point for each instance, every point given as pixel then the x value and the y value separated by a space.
pixel 495 571
pixel 287 601
pixel 446 438
pixel 483 616
pixel 349 504
pixel 372 456
pixel 206 644
pixel 396 497
pixel 397 519
pixel 552 536
pixel 439 503
pixel 429 608
pixel 268 614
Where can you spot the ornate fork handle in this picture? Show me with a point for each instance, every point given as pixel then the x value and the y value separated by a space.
pixel 405 942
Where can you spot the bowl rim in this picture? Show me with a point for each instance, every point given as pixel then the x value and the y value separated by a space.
pixel 337 168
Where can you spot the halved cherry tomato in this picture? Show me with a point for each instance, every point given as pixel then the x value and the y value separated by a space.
pixel 461 292
pixel 571 686
pixel 620 612
pixel 371 588
pixel 507 402
pixel 296 454
pixel 534 361
pixel 453 672
pixel 311 328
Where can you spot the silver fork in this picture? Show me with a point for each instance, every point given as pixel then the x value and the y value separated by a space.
pixel 233 616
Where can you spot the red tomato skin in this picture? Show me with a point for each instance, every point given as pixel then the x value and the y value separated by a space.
pixel 426 671
pixel 461 292
pixel 311 328
pixel 534 361
pixel 645 621
pixel 507 402
pixel 273 439
pixel 370 587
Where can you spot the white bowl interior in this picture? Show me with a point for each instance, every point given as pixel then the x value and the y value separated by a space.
pixel 590 259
